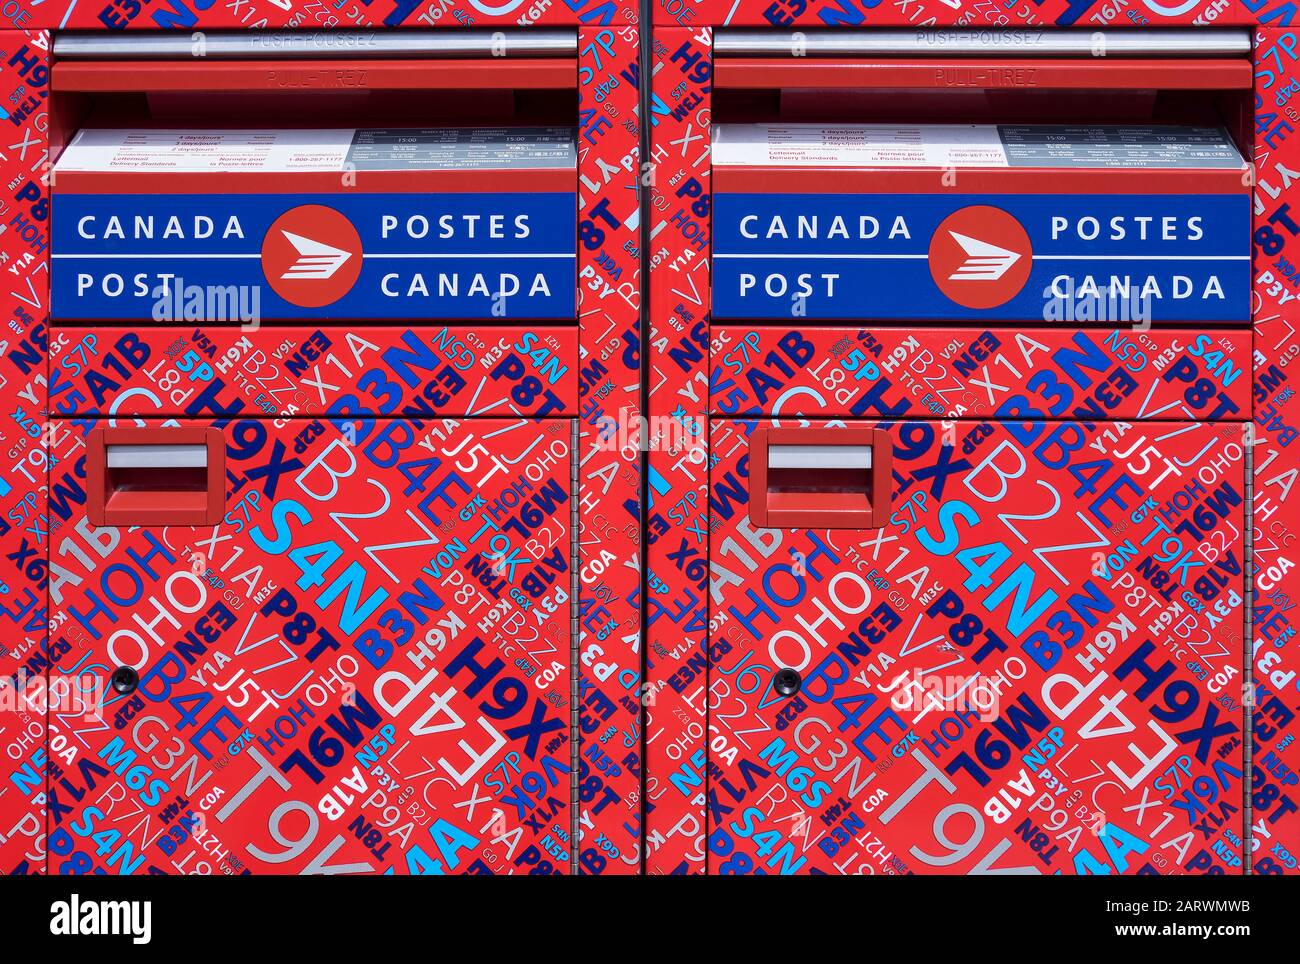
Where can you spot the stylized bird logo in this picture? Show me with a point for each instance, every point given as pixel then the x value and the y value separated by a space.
pixel 984 261
pixel 316 261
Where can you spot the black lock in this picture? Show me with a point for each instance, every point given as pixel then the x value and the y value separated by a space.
pixel 787 681
pixel 125 679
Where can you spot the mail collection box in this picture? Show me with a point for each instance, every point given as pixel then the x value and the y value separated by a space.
pixel 155 225
pixel 978 481
pixel 344 347
pixel 1043 223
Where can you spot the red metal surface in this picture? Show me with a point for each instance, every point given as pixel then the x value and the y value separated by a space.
pixel 973 372
pixel 957 402
pixel 1009 656
pixel 607 16
pixel 293 679
pixel 694 684
pixel 288 371
pixel 677 483
pixel 1274 652
pixel 89 76
pixel 299 388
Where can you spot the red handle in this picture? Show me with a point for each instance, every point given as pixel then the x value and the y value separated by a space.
pixel 493 73
pixel 820 478
pixel 155 476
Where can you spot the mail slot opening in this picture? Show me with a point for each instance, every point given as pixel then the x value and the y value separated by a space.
pixel 152 477
pixel 289 80
pixel 156 468
pixel 831 470
pixel 994 91
pixel 945 76
pixel 819 477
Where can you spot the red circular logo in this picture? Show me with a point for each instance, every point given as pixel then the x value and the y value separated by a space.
pixel 980 256
pixel 311 256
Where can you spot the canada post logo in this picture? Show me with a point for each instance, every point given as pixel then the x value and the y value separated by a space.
pixel 980 256
pixel 1007 257
pixel 311 256
pixel 320 256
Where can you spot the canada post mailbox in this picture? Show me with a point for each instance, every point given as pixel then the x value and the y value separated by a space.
pixel 1041 223
pixel 327 225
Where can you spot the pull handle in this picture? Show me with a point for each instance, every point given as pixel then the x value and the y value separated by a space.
pixel 820 478
pixel 1028 42
pixel 331 44
pixel 155 477
pixel 489 73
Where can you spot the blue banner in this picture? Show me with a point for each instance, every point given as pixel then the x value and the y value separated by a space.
pixel 187 257
pixel 982 257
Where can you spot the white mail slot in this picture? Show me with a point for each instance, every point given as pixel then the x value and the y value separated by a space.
pixel 157 456
pixel 819 456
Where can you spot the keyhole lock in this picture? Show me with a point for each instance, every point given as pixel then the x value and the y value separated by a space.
pixel 787 681
pixel 125 679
